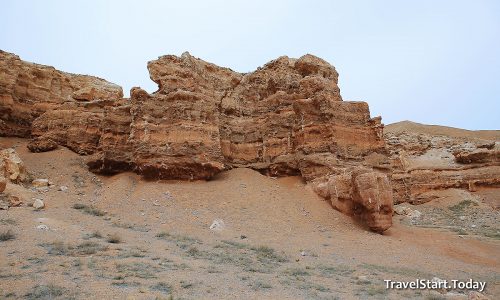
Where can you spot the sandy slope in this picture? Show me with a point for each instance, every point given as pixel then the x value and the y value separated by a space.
pixel 194 262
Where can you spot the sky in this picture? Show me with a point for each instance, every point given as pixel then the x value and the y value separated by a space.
pixel 428 61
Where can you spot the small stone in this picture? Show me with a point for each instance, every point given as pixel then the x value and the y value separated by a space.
pixel 217 225
pixel 63 188
pixel 243 237
pixel 401 210
pixel 473 226
pixel 42 227
pixel 14 201
pixel 303 253
pixel 461 218
pixel 38 183
pixel 38 204
pixel 415 214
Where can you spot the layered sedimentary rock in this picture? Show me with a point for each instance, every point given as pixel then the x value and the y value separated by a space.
pixel 114 153
pixel 175 131
pixel 359 192
pixel 422 162
pixel 28 90
pixel 286 118
pixel 76 125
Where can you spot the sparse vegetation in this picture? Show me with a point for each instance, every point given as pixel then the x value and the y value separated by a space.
pixel 162 287
pixel 398 270
pixel 260 285
pixel 137 269
pixel 341 270
pixel 7 236
pixel 462 205
pixel 297 272
pixel 131 227
pixel 181 241
pixel 89 209
pixel 8 222
pixel 268 255
pixel 50 291
pixel 114 239
pixel 94 235
pixel 60 248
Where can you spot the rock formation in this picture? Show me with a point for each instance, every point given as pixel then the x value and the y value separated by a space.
pixel 28 90
pixel 12 167
pixel 286 118
pixel 424 161
pixel 12 170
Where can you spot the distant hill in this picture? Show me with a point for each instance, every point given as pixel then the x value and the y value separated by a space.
pixel 442 130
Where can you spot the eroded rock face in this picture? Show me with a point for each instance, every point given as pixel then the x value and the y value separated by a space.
pixel 115 152
pixel 175 131
pixel 422 162
pixel 28 90
pixel 362 193
pixel 286 118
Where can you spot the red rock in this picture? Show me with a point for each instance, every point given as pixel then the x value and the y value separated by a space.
pixel 286 118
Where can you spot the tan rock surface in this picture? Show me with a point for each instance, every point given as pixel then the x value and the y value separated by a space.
pixel 27 90
pixel 426 158
pixel 11 166
pixel 286 118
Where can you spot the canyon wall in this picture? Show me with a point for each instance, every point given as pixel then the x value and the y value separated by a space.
pixel 285 118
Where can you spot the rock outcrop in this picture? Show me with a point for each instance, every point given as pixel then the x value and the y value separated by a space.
pixel 286 118
pixel 12 170
pixel 362 193
pixel 28 90
pixel 424 161
pixel 12 167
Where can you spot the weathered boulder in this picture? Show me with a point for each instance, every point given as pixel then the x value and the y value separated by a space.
pixel 11 166
pixel 360 192
pixel 373 200
pixel 42 144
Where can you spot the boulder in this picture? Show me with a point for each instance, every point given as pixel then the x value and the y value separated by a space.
pixel 38 204
pixel 38 183
pixel 11 166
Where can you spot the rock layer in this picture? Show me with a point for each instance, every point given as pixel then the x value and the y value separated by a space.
pixel 424 161
pixel 286 118
pixel 28 90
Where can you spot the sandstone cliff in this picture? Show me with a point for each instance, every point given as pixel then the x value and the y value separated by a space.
pixel 286 118
pixel 29 90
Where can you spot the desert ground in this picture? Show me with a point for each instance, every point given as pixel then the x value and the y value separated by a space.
pixel 242 235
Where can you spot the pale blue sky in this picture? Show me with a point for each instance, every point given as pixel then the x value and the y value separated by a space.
pixel 435 62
